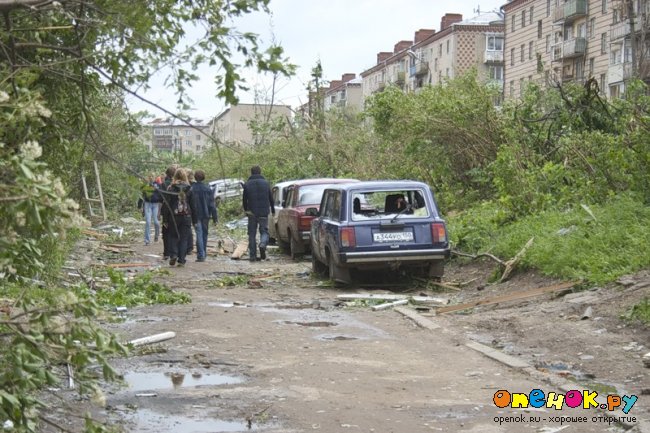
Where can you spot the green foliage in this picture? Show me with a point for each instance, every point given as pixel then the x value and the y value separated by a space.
pixel 640 311
pixel 230 281
pixel 597 243
pixel 142 290
pixel 44 330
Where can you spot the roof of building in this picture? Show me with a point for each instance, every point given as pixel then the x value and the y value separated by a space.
pixel 173 121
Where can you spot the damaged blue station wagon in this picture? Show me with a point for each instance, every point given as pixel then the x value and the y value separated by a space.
pixel 378 225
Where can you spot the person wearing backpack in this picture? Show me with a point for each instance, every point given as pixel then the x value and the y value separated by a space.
pixel 150 200
pixel 177 213
pixel 203 208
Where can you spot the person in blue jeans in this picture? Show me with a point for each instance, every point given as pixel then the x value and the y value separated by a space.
pixel 203 208
pixel 257 201
pixel 152 198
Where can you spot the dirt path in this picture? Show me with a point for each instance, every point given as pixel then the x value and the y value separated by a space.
pixel 278 352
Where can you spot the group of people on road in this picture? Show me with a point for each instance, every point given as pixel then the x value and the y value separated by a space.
pixel 182 201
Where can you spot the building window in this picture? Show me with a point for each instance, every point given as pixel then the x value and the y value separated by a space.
pixel 512 88
pixel 496 73
pixel 530 50
pixel 448 46
pixel 603 43
pixel 512 26
pixel 591 67
pixel 522 55
pixel 539 29
pixel 494 43
pixel 521 86
pixel 579 69
pixel 602 81
pixel 592 27
pixel 440 49
pixel 523 19
pixel 604 5
pixel 548 43
pixel 435 64
pixel 512 56
pixel 198 137
pixel 548 8
pixel 447 72
pixel 530 16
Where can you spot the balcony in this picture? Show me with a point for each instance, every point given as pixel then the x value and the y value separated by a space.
pixel 619 30
pixel 569 49
pixel 420 68
pixel 570 11
pixel 493 56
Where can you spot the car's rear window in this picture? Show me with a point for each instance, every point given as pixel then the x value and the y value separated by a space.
pixel 369 205
pixel 310 194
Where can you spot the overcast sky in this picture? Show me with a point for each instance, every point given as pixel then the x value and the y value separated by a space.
pixel 345 35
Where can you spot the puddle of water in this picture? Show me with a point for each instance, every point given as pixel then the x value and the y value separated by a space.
pixel 147 421
pixel 160 381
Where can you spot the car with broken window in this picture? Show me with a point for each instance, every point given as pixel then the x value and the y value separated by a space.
pixel 224 189
pixel 293 225
pixel 375 225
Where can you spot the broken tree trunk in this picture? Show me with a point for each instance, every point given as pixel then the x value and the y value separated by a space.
pixel 510 297
pixel 509 265
pixel 241 249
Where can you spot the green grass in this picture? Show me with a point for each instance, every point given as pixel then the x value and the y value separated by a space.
pixel 640 312
pixel 596 243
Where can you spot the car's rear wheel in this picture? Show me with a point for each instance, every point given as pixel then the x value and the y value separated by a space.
pixel 338 274
pixel 317 266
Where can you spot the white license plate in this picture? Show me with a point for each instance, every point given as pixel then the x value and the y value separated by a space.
pixel 393 237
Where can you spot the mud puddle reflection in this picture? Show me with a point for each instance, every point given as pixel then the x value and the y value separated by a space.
pixel 161 381
pixel 146 420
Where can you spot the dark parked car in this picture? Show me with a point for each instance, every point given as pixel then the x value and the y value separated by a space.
pixel 378 225
pixel 293 226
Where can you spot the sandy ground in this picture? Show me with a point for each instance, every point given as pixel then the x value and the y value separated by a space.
pixel 267 347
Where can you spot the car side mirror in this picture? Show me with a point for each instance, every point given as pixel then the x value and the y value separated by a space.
pixel 311 211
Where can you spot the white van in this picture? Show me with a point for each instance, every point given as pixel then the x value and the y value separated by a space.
pixel 224 189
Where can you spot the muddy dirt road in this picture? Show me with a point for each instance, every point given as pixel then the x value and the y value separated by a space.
pixel 266 347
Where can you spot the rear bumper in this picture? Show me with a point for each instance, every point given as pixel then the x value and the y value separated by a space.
pixel 395 256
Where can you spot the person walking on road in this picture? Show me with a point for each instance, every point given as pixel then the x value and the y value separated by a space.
pixel 151 199
pixel 176 210
pixel 257 201
pixel 203 208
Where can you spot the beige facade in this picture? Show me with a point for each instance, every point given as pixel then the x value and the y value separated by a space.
pixel 345 93
pixel 557 41
pixel 234 125
pixel 174 135
pixel 434 56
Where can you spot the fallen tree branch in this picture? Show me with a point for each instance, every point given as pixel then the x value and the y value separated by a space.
pixel 508 265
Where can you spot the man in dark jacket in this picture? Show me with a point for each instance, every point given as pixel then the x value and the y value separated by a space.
pixel 257 201
pixel 203 208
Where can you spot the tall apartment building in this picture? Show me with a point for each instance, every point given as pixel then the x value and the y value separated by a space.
pixel 434 56
pixel 344 93
pixel 234 125
pixel 558 41
pixel 172 135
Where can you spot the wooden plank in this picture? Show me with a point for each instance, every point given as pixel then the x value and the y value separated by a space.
pixel 242 248
pixel 153 338
pixel 391 297
pixel 421 321
pixel 94 233
pixel 509 297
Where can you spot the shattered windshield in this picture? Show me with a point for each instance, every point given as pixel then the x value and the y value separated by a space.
pixel 370 205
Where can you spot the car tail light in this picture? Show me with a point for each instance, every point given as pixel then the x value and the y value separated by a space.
pixel 348 239
pixel 304 223
pixel 438 232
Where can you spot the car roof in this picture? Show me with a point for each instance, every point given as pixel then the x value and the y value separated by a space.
pixel 284 184
pixel 383 185
pixel 322 180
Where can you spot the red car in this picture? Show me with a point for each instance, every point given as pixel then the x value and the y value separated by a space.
pixel 293 226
